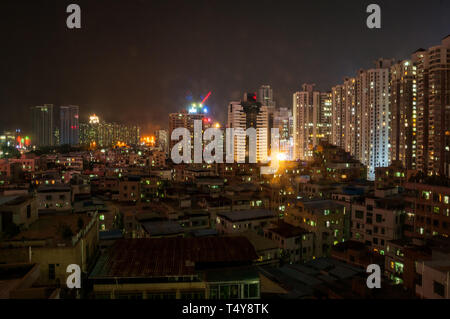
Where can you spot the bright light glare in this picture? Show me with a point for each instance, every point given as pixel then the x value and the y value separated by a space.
pixel 281 157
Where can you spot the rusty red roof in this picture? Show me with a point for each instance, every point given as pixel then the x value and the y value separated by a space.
pixel 159 257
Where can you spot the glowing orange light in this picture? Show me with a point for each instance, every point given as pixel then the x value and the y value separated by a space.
pixel 121 144
pixel 149 140
pixel 93 119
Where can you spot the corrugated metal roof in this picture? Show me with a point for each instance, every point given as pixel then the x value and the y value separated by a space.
pixel 159 257
pixel 298 275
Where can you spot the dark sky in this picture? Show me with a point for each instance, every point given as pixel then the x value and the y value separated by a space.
pixel 136 61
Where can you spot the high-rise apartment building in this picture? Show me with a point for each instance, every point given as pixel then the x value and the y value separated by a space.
pixel 177 120
pixel 312 120
pixel 186 119
pixel 360 120
pixel 338 116
pixel 98 133
pixel 69 127
pixel 42 125
pixel 325 116
pixel 375 108
pixel 403 104
pixel 433 108
pixel 284 121
pixel 345 117
pixel 244 115
pixel 162 140
pixel 265 96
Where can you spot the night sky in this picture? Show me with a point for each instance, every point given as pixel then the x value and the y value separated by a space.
pixel 136 61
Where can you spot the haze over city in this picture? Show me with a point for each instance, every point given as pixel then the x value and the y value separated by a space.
pixel 150 57
pixel 255 154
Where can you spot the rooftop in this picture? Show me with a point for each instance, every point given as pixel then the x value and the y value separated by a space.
pixel 160 257
pixel 350 244
pixel 7 200
pixel 89 205
pixel 16 276
pixel 236 216
pixel 259 242
pixel 287 230
pixel 52 228
pixel 53 188
pixel 302 281
pixel 162 227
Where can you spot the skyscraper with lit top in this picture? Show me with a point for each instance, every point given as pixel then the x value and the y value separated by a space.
pixel 186 119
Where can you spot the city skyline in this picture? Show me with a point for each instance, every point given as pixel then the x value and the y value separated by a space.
pixel 374 116
pixel 257 154
pixel 97 85
pixel 85 114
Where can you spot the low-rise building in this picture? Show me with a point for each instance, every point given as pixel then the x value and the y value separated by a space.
pixel 395 260
pixel 54 242
pixel 17 281
pixel 130 189
pixel 54 198
pixel 395 175
pixel 267 250
pixel 295 243
pixel 378 219
pixel 434 279
pixel 356 253
pixel 428 202
pixel 177 268
pixel 240 221
pixel 324 218
pixel 20 211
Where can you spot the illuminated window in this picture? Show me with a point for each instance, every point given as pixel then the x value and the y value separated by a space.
pixel 398 267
